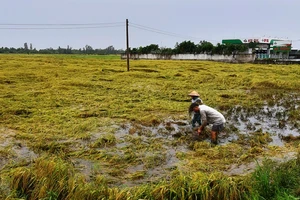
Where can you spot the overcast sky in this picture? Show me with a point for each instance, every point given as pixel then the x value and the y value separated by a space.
pixel 162 22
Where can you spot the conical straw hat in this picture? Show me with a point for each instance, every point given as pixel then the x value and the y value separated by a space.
pixel 194 93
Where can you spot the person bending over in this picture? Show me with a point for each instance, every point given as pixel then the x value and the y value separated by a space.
pixel 209 116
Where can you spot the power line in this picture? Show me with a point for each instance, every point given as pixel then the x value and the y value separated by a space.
pixel 45 26
pixel 60 24
pixel 159 31
pixel 19 26
pixel 146 28
pixel 66 26
pixel 154 31
pixel 58 28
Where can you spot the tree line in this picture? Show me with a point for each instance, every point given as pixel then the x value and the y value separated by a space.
pixel 69 50
pixel 188 47
pixel 185 47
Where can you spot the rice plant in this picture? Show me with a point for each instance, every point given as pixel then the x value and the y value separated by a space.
pixel 83 127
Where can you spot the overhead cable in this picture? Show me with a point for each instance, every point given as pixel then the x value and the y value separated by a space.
pixel 65 26
pixel 57 28
pixel 61 24
pixel 146 28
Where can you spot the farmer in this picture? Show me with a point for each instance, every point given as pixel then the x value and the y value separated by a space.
pixel 209 116
pixel 195 116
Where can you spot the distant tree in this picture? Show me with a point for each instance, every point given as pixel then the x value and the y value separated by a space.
pixel 167 51
pixel 59 50
pixel 241 48
pixel 229 49
pixel 176 45
pixel 89 49
pixel 153 48
pixel 109 50
pixel 134 51
pixel 252 45
pixel 219 49
pixel 26 46
pixel 206 47
pixel 185 47
pixel 34 50
pixel 69 50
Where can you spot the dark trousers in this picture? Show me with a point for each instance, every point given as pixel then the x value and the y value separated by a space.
pixel 196 119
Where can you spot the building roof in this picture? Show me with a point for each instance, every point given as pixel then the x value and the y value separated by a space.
pixel 262 40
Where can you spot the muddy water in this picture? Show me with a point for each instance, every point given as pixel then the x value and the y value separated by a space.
pixel 12 150
pixel 148 144
pixel 273 120
pixel 166 133
pixel 267 119
pixel 173 138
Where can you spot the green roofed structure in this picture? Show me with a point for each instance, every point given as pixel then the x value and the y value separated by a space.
pixel 264 47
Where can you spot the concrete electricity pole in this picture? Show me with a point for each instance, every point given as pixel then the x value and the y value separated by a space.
pixel 127 44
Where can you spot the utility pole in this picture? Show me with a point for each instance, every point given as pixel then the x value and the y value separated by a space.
pixel 127 44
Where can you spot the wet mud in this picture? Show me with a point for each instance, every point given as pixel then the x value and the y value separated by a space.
pixel 12 150
pixel 273 120
pixel 142 154
pixel 177 135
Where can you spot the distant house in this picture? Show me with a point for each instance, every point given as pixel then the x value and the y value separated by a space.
pixel 264 47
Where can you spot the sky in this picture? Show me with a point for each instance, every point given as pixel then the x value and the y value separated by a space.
pixel 102 23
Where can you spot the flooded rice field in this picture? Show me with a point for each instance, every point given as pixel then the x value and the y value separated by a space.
pixel 131 153
pixel 12 150
pixel 273 120
pixel 157 149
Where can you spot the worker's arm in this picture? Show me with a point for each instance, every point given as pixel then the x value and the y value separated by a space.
pixel 200 129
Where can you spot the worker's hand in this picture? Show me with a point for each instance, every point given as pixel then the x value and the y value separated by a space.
pixel 199 131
